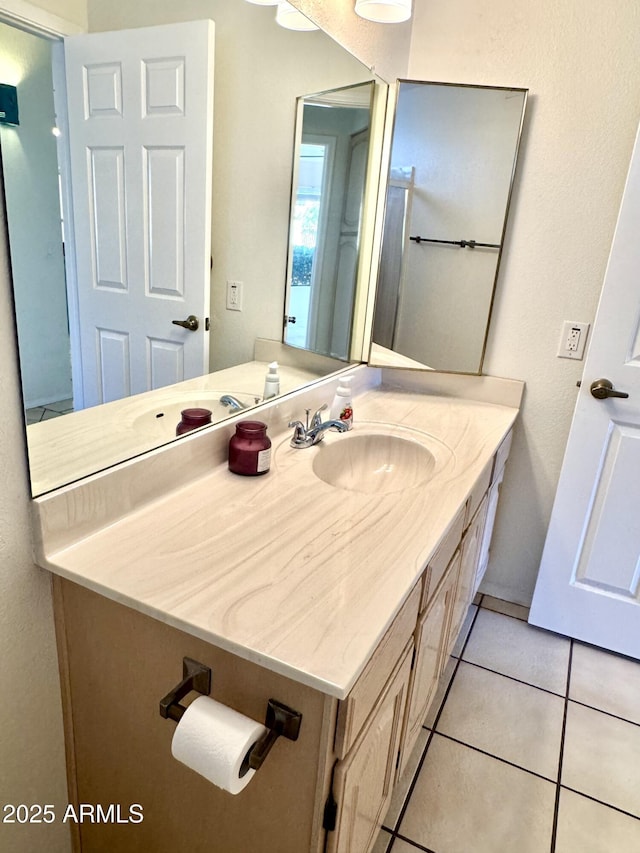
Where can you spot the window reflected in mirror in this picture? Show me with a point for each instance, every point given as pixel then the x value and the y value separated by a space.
pixel 330 171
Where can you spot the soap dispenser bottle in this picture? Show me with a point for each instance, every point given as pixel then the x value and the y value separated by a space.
pixel 271 382
pixel 342 406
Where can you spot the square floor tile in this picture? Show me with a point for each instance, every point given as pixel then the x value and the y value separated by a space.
pixel 588 827
pixel 34 416
pixel 506 607
pixel 505 718
pixel 400 846
pixel 514 648
pixel 49 414
pixel 62 406
pixel 605 681
pixel 404 783
pixel 465 801
pixel 602 758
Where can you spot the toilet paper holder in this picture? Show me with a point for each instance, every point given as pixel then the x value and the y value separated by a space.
pixel 195 676
pixel 280 720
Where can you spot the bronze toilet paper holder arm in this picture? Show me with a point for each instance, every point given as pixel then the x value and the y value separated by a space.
pixel 280 720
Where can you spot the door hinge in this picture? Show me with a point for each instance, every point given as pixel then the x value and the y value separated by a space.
pixel 330 813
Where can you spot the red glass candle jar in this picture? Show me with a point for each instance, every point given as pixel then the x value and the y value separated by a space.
pixel 250 449
pixel 192 419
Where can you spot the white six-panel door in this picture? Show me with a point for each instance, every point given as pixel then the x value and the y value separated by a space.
pixel 589 581
pixel 140 137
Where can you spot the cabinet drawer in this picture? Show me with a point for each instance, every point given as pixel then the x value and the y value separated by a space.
pixel 501 456
pixel 355 709
pixel 437 565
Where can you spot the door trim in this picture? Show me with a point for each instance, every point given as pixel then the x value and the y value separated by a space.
pixel 33 19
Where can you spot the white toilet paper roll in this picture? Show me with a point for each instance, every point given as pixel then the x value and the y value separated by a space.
pixel 213 740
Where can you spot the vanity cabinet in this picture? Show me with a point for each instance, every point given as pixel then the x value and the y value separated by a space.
pixel 470 552
pixel 364 780
pixel 325 793
pixel 447 587
pixel 493 496
pixel 429 658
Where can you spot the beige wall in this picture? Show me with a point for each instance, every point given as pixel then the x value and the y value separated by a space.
pixel 382 47
pixel 31 738
pixel 71 10
pixel 580 62
pixel 51 16
pixel 31 741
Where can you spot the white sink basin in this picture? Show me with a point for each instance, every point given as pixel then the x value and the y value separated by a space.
pixel 377 462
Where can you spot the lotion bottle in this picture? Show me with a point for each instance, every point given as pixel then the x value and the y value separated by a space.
pixel 271 382
pixel 342 406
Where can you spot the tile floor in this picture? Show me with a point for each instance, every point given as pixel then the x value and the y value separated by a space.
pixel 533 747
pixel 51 410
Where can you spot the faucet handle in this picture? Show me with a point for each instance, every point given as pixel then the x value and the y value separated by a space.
pixel 299 437
pixel 316 420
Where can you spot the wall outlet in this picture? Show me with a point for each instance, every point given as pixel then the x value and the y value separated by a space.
pixel 234 296
pixel 573 340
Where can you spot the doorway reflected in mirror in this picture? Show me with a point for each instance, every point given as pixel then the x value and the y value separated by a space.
pixel 330 172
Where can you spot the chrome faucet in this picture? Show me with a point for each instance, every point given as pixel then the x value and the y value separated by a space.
pixel 306 435
pixel 234 404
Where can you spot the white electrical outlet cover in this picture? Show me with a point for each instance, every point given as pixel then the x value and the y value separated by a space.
pixel 573 339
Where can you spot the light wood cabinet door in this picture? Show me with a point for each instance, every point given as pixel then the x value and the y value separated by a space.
pixel 363 781
pixel 470 553
pixel 492 507
pixel 429 660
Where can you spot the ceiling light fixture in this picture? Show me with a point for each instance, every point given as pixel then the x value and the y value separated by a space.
pixel 384 11
pixel 264 2
pixel 291 19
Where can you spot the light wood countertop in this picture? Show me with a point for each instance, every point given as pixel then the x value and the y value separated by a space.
pixel 285 570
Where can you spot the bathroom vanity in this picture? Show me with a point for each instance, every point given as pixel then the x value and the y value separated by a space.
pixel 311 585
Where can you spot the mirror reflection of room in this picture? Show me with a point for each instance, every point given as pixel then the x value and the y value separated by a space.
pixel 452 163
pixel 36 229
pixel 259 72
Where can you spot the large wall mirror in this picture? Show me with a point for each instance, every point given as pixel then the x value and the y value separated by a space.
pixel 453 158
pixel 261 70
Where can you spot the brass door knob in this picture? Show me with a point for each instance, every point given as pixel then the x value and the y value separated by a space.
pixel 190 323
pixel 602 388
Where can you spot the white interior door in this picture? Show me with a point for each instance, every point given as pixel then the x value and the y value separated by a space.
pixel 140 137
pixel 348 246
pixel 589 581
